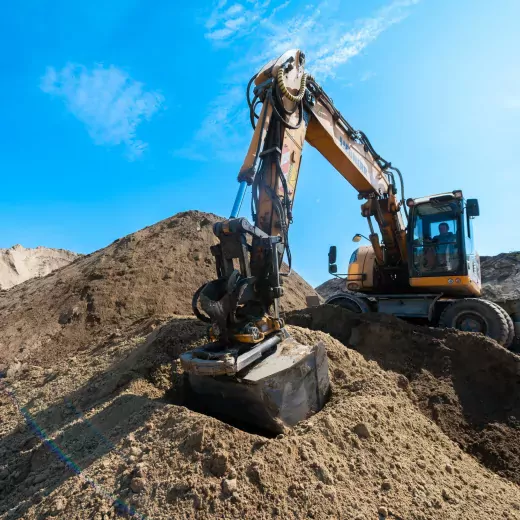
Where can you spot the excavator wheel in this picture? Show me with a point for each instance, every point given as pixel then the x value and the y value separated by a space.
pixel 350 302
pixel 476 315
pixel 510 325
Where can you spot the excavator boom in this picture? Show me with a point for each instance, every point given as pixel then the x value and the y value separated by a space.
pixel 252 365
pixel 249 341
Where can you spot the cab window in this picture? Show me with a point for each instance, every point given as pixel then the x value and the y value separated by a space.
pixel 435 246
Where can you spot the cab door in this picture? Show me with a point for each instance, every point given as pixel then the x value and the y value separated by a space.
pixel 472 257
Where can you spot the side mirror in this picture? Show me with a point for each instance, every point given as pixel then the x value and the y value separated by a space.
pixel 472 208
pixel 333 268
pixel 332 255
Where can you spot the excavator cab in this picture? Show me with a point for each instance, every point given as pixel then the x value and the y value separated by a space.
pixel 441 249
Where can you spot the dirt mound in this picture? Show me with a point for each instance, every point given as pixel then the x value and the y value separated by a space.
pixel 109 442
pixel 466 383
pixel 331 287
pixel 149 274
pixel 18 263
pixel 501 276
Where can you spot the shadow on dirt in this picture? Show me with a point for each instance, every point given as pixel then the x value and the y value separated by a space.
pixel 59 441
pixel 466 383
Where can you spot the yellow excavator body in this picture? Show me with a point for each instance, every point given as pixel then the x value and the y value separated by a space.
pixel 421 262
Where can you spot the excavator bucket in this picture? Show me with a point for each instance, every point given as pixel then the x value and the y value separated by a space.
pixel 270 387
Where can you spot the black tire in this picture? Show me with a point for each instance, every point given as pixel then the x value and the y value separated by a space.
pixel 476 315
pixel 350 303
pixel 510 325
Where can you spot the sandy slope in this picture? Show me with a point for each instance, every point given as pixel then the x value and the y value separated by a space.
pixel 95 424
pixel 18 263
pixel 149 274
pixel 116 443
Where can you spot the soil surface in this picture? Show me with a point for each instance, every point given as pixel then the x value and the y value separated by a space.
pixel 150 274
pixel 98 437
pixel 466 383
pixel 94 422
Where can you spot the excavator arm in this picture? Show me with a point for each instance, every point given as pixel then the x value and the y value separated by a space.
pixel 243 303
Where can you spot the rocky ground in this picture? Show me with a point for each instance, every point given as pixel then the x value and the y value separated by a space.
pixel 421 423
pixel 18 263
pixel 99 435
pixel 501 276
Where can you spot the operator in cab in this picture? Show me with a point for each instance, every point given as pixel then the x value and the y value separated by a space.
pixel 444 237
pixel 445 244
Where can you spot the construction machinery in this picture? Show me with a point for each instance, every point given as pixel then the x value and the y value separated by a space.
pixel 423 264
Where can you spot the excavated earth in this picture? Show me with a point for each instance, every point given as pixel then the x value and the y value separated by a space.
pixel 466 383
pixel 501 276
pixel 147 275
pixel 421 423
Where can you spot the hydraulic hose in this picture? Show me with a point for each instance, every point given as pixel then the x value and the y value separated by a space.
pixel 195 301
pixel 401 181
pixel 282 119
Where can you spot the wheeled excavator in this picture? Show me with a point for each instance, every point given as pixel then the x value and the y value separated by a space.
pixel 421 264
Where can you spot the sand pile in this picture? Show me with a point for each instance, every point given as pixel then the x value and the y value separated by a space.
pixel 18 263
pixel 150 274
pixel 95 424
pixel 501 276
pixel 331 287
pixel 117 445
pixel 466 383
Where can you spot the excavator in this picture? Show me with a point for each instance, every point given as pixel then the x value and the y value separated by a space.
pixel 420 265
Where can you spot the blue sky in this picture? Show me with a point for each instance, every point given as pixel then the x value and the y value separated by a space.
pixel 118 114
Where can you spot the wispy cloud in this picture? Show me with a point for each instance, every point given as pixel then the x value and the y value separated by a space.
pixel 228 22
pixel 107 101
pixel 328 40
pixel 222 130
pixel 357 39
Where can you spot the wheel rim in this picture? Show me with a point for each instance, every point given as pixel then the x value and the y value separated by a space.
pixel 470 322
pixel 348 305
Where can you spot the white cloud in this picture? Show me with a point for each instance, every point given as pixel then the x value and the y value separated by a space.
pixel 107 101
pixel 234 9
pixel 320 30
pixel 227 23
pixel 355 40
pixel 220 34
pixel 236 23
pixel 222 131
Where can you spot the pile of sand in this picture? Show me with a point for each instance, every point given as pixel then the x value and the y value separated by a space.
pixel 18 263
pixel 466 383
pixel 421 423
pixel 150 274
pixel 331 287
pixel 112 443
